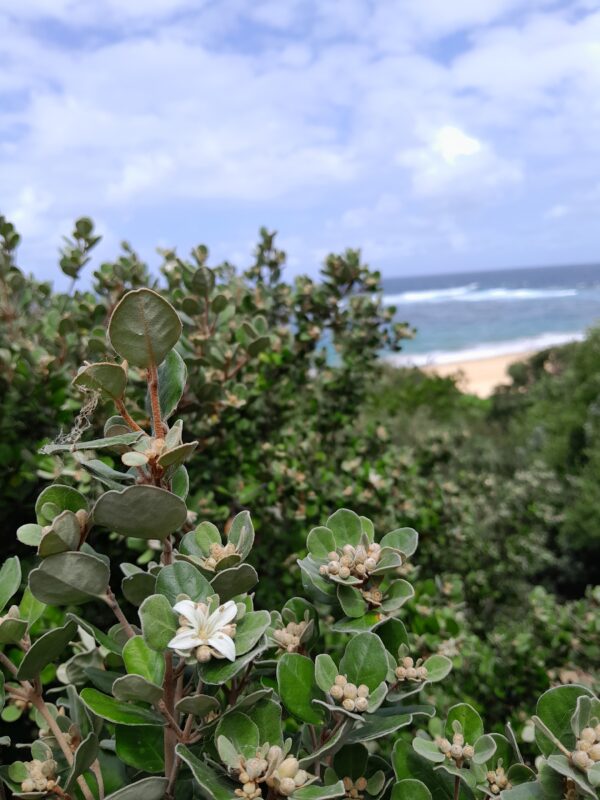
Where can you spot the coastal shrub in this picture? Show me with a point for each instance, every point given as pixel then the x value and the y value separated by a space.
pixel 194 692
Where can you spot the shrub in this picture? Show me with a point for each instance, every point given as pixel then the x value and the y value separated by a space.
pixel 199 693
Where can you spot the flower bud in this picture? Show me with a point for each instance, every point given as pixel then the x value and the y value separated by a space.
pixel 588 735
pixel 348 550
pixel 337 692
pixel 244 777
pixel 203 654
pixel 333 556
pixel 255 767
pixel 333 567
pixel 361 704
pixel 411 673
pixel 468 751
pixel 287 786
pixel 456 751
pixel 249 788
pixel 594 752
pixel 301 777
pixel 323 570
pixel 363 690
pixel 348 783
pixel 350 691
pixel 444 746
pixel 581 759
pixel 361 784
pixel 348 704
pixel 28 785
pixel 288 768
pixel 370 563
pixel 341 680
pixel 407 661
pixel 344 573
pixel 401 673
pixel 458 738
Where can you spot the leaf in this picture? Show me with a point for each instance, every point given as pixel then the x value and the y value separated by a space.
pixel 180 482
pixel 437 667
pixel 365 660
pixel 376 727
pixel 320 542
pixel 137 689
pixel 109 642
pixel 352 602
pixel 393 634
pixel 212 787
pixel 561 765
pixel 143 512
pixel 241 533
pixel 159 624
pixel 409 765
pixel 137 587
pixel 249 630
pixel 143 328
pixel 216 672
pixel 351 760
pixel 241 731
pixel 555 709
pixel 183 578
pixel 320 792
pixel 148 789
pixel 64 535
pixel 297 687
pixel 410 789
pixel 396 595
pixel 428 749
pixel 44 650
pixel 93 444
pixel 346 527
pixel 469 719
pixel 102 705
pixel 237 580
pixel 12 630
pixel 69 578
pixel 141 660
pixel 65 498
pixel 141 747
pixel 177 455
pixel 10 580
pixel 30 534
pixel 404 539
pixel 172 378
pixel 30 609
pixel 332 744
pixel 199 705
pixel 107 378
pixel 326 672
pixel 84 757
pixel 484 747
pixel 266 715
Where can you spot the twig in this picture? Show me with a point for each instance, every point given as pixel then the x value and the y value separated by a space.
pixel 157 425
pixel 111 602
pixel 6 662
pixel 127 417
pixel 456 787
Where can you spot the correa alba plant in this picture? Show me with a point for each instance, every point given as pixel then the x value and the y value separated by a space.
pixel 199 695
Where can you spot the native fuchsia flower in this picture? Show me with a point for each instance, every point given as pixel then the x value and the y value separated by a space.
pixel 203 634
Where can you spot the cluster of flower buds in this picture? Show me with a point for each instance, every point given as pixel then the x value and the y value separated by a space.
pixel 279 773
pixel 497 780
pixel 350 696
pixel 41 776
pixel 217 553
pixel 587 749
pixel 355 789
pixel 458 751
pixel 289 638
pixel 357 561
pixel 407 670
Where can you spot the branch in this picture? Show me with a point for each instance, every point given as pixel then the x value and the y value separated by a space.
pixel 7 663
pixel 111 602
pixel 126 416
pixel 152 376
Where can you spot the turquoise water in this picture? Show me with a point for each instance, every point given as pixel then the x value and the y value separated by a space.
pixel 482 314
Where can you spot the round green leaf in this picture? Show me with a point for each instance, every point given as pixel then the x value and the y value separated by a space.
pixel 410 789
pixel 297 687
pixel 320 541
pixel 183 578
pixel 102 705
pixel 63 497
pixel 159 624
pixel 144 327
pixel 365 660
pixel 10 579
pixel 141 747
pixel 149 789
pixel 555 709
pixel 250 629
pixel 241 731
pixel 437 668
pixel 346 527
pixel 143 512
pixel 172 378
pixel 404 539
pixel 141 660
pixel 136 688
pixel 469 719
pixel 108 379
pixel 43 651
pixel 69 578
pixel 230 582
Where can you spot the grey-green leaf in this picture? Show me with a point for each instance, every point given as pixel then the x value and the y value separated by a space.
pixel 143 512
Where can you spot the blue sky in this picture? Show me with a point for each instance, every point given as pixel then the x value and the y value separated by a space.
pixel 437 136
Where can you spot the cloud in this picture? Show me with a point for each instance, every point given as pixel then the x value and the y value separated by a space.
pixel 331 119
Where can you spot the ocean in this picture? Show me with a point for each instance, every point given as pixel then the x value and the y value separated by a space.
pixel 472 315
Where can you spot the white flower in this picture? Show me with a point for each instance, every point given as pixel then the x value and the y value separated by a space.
pixel 199 629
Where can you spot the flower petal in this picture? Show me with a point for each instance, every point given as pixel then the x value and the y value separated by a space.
pixel 223 644
pixel 222 616
pixel 189 610
pixel 186 641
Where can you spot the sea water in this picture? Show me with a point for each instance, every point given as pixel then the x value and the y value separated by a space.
pixel 474 315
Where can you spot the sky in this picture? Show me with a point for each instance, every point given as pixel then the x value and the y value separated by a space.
pixel 437 136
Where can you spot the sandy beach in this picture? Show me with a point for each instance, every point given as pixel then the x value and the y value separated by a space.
pixel 479 376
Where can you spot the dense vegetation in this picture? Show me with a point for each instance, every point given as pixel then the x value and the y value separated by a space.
pixel 282 386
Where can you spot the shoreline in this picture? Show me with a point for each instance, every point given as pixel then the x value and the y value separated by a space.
pixel 479 376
